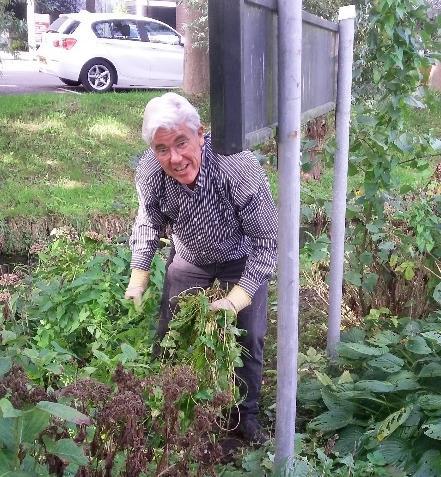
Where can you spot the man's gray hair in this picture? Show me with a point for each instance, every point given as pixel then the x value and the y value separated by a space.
pixel 168 111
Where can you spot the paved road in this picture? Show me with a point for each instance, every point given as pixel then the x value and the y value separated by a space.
pixel 22 76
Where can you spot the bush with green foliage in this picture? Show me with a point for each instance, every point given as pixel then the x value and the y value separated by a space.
pixel 393 228
pixel 385 406
pixel 76 298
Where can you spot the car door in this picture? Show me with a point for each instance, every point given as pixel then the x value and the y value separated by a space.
pixel 120 42
pixel 164 54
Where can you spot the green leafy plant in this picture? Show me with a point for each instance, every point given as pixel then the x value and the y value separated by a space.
pixel 385 406
pixel 76 298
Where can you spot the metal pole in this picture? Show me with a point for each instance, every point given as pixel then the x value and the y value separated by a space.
pixel 343 115
pixel 289 101
pixel 30 20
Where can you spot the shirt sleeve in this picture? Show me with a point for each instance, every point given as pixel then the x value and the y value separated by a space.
pixel 258 217
pixel 149 224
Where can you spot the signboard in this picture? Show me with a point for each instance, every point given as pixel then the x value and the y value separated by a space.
pixel 243 71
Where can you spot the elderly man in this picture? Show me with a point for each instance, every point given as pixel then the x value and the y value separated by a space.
pixel 224 226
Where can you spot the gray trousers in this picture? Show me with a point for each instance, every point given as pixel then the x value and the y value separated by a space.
pixel 182 275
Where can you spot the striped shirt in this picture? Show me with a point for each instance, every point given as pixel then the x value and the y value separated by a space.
pixel 229 214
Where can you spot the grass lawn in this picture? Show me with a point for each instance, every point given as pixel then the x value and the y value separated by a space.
pixel 69 155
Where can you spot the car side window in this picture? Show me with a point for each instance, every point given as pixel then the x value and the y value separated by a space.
pixel 158 33
pixel 117 29
pixel 102 29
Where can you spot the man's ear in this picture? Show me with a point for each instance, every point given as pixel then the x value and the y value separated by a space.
pixel 201 135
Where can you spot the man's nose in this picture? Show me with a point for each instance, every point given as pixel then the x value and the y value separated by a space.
pixel 174 155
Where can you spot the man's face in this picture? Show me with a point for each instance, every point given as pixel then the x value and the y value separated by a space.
pixel 179 152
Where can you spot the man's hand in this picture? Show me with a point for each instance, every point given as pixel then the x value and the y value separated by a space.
pixel 235 301
pixel 137 285
pixel 222 304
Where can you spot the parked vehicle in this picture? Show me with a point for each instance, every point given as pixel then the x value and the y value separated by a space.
pixel 103 50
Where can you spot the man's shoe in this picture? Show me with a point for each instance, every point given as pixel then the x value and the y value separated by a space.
pixel 251 431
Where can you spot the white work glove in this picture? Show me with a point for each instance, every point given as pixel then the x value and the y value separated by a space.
pixel 137 285
pixel 235 301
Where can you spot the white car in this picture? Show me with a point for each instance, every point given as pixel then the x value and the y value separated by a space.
pixel 103 50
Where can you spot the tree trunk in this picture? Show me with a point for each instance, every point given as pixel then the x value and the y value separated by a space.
pixel 196 63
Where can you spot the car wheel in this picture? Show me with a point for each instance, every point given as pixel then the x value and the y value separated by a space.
pixel 70 82
pixel 98 76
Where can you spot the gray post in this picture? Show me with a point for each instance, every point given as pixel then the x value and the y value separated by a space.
pixel 30 20
pixel 342 120
pixel 290 82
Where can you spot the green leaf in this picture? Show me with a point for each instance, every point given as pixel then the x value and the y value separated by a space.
pixel 64 412
pixel 430 402
pixel 386 246
pixel 309 390
pixel 418 345
pixel 349 440
pixel 366 258
pixel 8 433
pixel 8 409
pixel 433 430
pixel 385 338
pixel 394 451
pixel 404 381
pixel 334 402
pixel 324 378
pixel 353 278
pixel 359 350
pixel 55 368
pixel 392 422
pixel 403 144
pixel 412 328
pixel 353 335
pixel 101 356
pixel 433 336
pixel 129 353
pixel 330 421
pixel 389 363
pixel 34 421
pixel 429 464
pixel 374 386
pixel 251 462
pixel 430 370
pixel 404 189
pixel 5 365
pixel 8 336
pixel 345 378
pixel 66 449
pixel 369 281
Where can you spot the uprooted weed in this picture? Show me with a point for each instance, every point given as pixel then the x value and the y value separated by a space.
pixel 205 340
